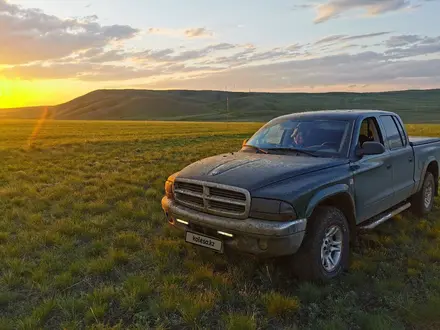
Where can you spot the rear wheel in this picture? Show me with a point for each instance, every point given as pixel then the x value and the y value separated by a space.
pixel 423 200
pixel 325 249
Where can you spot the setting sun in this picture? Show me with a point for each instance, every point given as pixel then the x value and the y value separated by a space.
pixel 20 93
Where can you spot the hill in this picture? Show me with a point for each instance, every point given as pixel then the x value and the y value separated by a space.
pixel 415 106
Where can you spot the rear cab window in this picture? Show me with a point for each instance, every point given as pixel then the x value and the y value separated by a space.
pixel 392 130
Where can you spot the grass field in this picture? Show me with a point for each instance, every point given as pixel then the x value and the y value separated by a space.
pixel 84 243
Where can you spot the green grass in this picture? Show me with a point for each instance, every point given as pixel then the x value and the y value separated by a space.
pixel 415 106
pixel 84 243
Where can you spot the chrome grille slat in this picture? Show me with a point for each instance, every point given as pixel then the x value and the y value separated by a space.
pixel 191 187
pixel 188 192
pixel 224 206
pixel 192 199
pixel 227 194
pixel 225 200
pixel 213 198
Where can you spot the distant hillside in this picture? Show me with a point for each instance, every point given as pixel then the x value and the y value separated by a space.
pixel 415 106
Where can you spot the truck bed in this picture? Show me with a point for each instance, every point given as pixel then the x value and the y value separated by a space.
pixel 420 140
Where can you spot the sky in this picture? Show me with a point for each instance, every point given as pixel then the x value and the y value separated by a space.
pixel 53 50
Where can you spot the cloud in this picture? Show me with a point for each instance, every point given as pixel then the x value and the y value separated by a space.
pixel 344 37
pixel 31 35
pixel 38 71
pixel 250 55
pixel 302 6
pixel 197 32
pixel 362 69
pixel 169 55
pixel 88 71
pixel 404 46
pixel 367 35
pixel 402 40
pixel 333 8
pixel 416 50
pixel 330 39
pixel 165 31
pixel 47 47
pixel 107 56
pixel 81 71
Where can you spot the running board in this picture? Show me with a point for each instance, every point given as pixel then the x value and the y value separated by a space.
pixel 386 217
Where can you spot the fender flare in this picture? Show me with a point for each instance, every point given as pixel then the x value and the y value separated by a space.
pixel 326 193
pixel 423 173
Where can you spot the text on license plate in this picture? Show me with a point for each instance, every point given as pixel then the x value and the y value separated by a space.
pixel 204 241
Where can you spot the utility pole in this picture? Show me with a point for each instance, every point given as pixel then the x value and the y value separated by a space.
pixel 227 108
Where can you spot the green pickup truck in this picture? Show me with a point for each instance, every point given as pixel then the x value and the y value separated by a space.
pixel 302 185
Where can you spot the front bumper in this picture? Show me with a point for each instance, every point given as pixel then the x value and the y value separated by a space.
pixel 261 238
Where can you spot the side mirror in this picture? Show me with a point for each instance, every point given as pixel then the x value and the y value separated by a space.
pixel 244 142
pixel 370 148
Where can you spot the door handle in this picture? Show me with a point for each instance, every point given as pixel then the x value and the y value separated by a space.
pixel 389 166
pixel 410 159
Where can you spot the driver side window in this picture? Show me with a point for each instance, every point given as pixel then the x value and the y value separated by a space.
pixel 369 131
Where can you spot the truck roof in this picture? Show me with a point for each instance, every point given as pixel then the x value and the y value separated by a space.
pixel 342 114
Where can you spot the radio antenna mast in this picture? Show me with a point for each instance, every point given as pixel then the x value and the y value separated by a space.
pixel 227 108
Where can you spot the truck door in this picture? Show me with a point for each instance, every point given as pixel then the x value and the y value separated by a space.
pixel 402 157
pixel 372 174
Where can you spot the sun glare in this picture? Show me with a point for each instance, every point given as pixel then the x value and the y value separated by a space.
pixel 23 93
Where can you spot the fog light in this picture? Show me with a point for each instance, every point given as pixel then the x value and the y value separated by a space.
pixel 225 234
pixel 262 243
pixel 183 221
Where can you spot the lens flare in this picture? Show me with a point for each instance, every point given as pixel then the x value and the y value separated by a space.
pixel 37 128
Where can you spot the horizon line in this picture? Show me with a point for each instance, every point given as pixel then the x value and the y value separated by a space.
pixel 222 91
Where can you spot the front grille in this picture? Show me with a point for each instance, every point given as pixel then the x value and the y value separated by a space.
pixel 191 187
pixel 226 206
pixel 212 198
pixel 190 199
pixel 227 194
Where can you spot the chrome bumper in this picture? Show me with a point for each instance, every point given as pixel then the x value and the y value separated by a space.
pixel 254 236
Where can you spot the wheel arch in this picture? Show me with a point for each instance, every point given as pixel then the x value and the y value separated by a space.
pixel 337 196
pixel 431 166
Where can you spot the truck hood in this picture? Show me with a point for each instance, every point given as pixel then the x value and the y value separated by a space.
pixel 252 171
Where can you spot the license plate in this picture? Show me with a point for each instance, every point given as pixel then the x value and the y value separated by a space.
pixel 205 241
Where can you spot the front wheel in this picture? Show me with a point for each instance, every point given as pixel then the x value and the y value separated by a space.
pixel 323 255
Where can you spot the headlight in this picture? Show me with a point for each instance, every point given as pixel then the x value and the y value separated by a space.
pixel 169 186
pixel 272 209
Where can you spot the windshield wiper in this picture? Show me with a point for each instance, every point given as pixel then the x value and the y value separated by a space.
pixel 257 148
pixel 310 153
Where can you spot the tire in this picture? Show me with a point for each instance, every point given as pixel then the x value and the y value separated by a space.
pixel 308 262
pixel 422 201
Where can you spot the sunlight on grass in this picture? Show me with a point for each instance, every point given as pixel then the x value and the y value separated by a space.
pixel 279 305
pixel 240 322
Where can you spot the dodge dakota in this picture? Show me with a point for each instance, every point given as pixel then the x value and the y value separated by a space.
pixel 302 186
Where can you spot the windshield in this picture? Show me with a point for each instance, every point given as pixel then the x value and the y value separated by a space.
pixel 325 137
